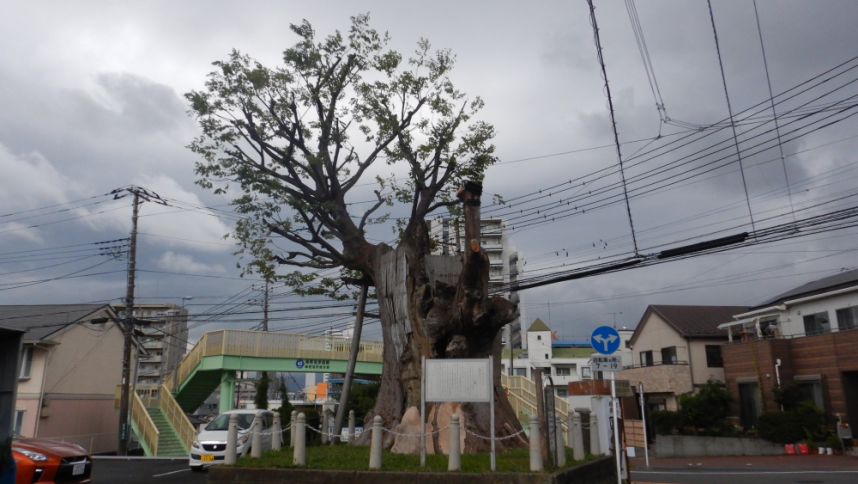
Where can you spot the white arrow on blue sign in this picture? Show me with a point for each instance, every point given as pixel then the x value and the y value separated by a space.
pixel 605 340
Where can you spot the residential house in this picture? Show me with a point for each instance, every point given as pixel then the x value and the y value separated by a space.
pixel 676 349
pixel 70 366
pixel 806 336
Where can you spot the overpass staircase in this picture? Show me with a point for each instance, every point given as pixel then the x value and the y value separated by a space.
pixel 159 412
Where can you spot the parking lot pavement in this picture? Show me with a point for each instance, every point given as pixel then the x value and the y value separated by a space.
pixel 145 470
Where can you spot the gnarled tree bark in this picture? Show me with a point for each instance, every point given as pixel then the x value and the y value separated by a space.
pixel 439 307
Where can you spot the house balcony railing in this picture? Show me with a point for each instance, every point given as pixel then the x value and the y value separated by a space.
pixel 658 363
pixel 746 337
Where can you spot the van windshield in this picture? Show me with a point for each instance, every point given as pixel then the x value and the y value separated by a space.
pixel 222 422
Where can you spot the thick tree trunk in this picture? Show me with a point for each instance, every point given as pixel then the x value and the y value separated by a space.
pixel 438 307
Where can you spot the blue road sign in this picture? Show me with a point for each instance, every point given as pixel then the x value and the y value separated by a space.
pixel 299 364
pixel 605 340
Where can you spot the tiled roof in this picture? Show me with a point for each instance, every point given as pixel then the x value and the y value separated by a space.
pixel 693 321
pixel 841 280
pixel 42 320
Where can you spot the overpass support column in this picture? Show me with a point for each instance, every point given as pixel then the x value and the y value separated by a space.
pixel 227 391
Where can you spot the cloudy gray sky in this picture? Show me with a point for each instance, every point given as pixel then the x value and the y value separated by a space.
pixel 91 101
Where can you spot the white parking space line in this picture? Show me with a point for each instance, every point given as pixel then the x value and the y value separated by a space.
pixel 173 472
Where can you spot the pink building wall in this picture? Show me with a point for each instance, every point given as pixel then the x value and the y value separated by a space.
pixel 91 423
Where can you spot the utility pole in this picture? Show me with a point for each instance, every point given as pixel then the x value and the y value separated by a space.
pixel 350 370
pixel 128 323
pixel 265 309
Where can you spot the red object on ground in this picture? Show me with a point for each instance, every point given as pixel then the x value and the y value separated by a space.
pixel 790 449
pixel 802 449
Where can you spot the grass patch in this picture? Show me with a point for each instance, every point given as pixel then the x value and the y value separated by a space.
pixel 356 458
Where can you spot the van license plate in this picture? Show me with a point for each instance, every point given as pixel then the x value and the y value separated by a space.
pixel 78 469
pixel 207 458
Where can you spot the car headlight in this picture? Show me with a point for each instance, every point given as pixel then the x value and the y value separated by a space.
pixel 196 444
pixel 243 439
pixel 32 455
pixel 81 448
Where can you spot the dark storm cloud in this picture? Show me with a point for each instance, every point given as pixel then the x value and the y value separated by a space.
pixel 91 101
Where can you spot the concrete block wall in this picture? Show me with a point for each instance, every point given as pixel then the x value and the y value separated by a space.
pixel 692 446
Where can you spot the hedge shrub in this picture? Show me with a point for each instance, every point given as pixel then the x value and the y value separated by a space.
pixel 806 421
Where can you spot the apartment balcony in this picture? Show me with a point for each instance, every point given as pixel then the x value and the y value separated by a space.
pixel 497 279
pixel 660 378
pixel 496 262
pixel 490 247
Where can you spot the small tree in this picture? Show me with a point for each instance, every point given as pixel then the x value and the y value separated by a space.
pixel 261 397
pixel 707 409
pixel 362 399
pixel 789 396
pixel 284 395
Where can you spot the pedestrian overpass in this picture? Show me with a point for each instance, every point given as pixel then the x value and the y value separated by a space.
pixel 158 412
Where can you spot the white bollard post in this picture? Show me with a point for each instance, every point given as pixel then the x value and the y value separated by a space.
pixel 375 446
pixel 558 443
pixel 299 433
pixel 324 426
pixel 351 436
pixel 276 433
pixel 256 436
pixel 535 445
pixel 595 444
pixel 292 423
pixel 577 437
pixel 454 462
pixel 231 440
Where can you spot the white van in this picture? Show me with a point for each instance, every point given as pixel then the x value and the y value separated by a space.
pixel 209 447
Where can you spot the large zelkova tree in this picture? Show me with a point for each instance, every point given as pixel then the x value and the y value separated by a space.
pixel 295 140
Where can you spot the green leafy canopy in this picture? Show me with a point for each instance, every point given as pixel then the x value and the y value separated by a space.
pixel 291 142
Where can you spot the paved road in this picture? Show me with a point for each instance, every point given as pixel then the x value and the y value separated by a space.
pixel 738 476
pixel 145 471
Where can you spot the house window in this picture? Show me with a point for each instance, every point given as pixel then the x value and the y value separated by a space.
pixel 18 429
pixel 562 392
pixel 538 338
pixel 668 356
pixel 26 363
pixel 546 356
pixel 519 371
pixel 811 390
pixel 713 356
pixel 646 358
pixel 847 318
pixel 749 404
pixel 585 372
pixel 563 371
pixel 817 323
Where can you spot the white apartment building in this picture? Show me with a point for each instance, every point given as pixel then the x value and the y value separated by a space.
pixel 164 338
pixel 565 362
pixel 503 259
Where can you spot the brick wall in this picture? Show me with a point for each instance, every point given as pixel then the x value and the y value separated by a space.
pixel 827 355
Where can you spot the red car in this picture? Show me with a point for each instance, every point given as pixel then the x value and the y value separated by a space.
pixel 41 460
